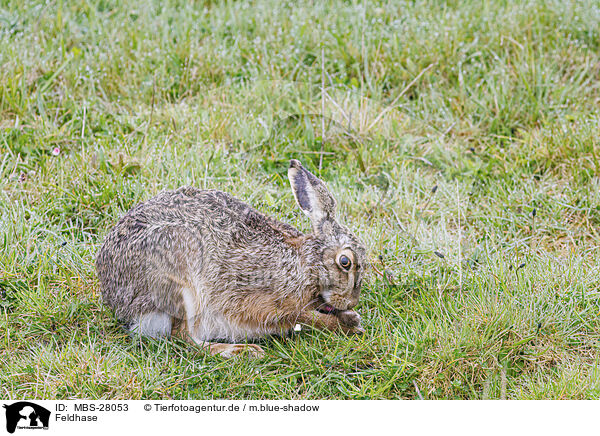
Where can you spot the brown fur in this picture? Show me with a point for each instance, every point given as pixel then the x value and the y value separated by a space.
pixel 206 264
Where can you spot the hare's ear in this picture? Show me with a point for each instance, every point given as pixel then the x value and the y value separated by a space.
pixel 311 194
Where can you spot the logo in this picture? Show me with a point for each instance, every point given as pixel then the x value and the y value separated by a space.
pixel 26 415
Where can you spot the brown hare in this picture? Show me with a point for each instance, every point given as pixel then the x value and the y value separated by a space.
pixel 205 265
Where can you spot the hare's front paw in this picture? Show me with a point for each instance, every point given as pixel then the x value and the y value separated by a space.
pixel 349 318
pixel 350 322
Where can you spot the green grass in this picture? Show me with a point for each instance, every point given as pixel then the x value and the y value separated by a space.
pixel 493 103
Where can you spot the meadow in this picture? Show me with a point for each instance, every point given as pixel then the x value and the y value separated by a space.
pixel 459 137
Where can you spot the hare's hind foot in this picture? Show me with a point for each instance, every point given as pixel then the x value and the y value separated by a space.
pixel 220 349
pixel 232 350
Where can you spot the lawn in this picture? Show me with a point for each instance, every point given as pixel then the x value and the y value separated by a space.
pixel 461 140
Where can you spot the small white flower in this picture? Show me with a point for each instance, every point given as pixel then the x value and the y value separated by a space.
pixel 55 151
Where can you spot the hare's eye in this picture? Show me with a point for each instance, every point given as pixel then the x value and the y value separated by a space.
pixel 345 262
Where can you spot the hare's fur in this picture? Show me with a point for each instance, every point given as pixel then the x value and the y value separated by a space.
pixel 204 265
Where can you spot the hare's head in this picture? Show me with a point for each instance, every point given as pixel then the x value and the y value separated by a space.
pixel 337 256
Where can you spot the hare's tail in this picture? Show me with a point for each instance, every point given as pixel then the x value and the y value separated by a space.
pixel 153 324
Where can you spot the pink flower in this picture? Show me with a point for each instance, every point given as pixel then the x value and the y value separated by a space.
pixel 55 151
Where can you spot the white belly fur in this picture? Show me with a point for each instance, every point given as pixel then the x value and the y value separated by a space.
pixel 205 323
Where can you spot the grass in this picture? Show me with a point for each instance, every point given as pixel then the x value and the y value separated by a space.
pixel 460 138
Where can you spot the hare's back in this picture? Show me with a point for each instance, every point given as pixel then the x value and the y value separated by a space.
pixel 182 229
pixel 170 222
pixel 218 213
